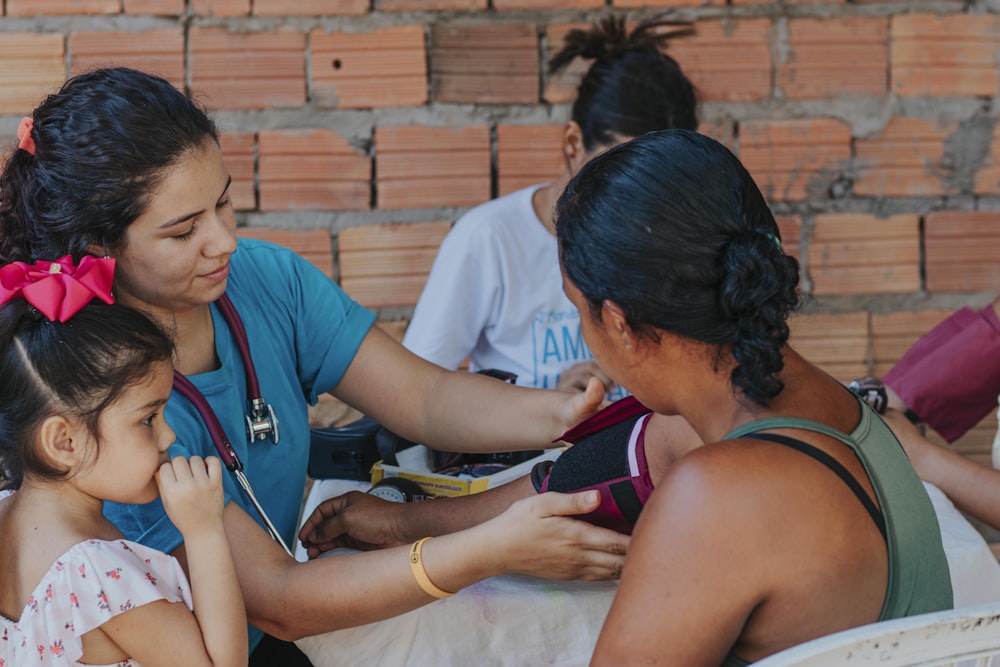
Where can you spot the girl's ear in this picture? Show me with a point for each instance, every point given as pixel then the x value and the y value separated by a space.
pixel 62 442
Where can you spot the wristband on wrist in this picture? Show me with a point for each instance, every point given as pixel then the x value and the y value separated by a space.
pixel 420 574
pixel 872 391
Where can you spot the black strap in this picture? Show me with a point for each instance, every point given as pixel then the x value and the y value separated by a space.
pixel 834 465
pixel 627 500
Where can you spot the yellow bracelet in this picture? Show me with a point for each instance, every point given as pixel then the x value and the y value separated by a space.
pixel 420 574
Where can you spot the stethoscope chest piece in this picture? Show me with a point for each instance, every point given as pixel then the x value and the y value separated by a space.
pixel 261 421
pixel 260 418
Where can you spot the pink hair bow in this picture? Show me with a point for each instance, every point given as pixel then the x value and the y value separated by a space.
pixel 58 289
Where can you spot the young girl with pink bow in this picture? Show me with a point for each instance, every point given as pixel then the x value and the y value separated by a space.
pixel 84 384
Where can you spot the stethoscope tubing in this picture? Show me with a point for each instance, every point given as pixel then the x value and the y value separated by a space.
pixel 223 447
pixel 235 323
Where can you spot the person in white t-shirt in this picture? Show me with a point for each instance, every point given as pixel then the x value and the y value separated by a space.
pixel 494 294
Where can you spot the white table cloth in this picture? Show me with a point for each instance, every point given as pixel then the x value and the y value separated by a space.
pixel 517 621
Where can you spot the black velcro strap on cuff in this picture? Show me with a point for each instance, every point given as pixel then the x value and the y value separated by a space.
pixel 627 500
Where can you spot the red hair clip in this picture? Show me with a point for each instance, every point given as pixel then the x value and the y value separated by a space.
pixel 58 289
pixel 24 139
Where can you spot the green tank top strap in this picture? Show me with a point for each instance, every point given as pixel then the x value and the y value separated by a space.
pixel 850 439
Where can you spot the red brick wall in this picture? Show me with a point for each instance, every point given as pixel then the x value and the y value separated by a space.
pixel 872 127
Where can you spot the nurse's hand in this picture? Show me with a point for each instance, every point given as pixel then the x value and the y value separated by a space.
pixel 535 535
pixel 538 537
pixel 577 377
pixel 580 405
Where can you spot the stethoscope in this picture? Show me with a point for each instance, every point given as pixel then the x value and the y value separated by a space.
pixel 261 422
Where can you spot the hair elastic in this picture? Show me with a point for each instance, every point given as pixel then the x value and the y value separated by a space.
pixel 420 574
pixel 24 139
pixel 769 235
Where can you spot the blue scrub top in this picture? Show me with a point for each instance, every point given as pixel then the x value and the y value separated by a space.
pixel 304 332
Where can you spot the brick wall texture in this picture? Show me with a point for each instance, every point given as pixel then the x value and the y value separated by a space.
pixel 872 127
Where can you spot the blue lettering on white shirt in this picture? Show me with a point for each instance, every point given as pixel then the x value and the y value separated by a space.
pixel 558 344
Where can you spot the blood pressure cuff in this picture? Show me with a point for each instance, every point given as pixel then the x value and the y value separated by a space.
pixel 950 377
pixel 608 454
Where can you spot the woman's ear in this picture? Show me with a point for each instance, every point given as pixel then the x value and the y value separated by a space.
pixel 617 326
pixel 574 152
pixel 62 442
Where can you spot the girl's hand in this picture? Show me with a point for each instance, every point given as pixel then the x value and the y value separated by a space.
pixel 216 632
pixel 191 490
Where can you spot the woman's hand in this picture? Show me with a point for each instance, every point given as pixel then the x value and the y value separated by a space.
pixel 191 490
pixel 356 520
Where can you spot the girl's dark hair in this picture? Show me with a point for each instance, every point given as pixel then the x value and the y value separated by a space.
pixel 75 369
pixel 632 87
pixel 103 143
pixel 672 228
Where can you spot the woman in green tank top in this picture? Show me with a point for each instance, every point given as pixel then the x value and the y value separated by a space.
pixel 802 516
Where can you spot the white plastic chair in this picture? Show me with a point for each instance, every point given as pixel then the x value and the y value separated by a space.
pixel 969 637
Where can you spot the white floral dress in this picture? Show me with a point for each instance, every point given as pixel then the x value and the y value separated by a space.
pixel 90 583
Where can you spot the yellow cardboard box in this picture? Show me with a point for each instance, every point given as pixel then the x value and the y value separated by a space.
pixel 413 465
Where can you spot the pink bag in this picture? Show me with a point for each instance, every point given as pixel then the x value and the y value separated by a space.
pixel 950 377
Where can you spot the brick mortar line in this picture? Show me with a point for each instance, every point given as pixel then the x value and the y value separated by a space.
pixel 360 23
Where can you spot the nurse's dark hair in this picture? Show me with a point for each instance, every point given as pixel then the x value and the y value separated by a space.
pixel 672 228
pixel 75 369
pixel 103 143
pixel 632 86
